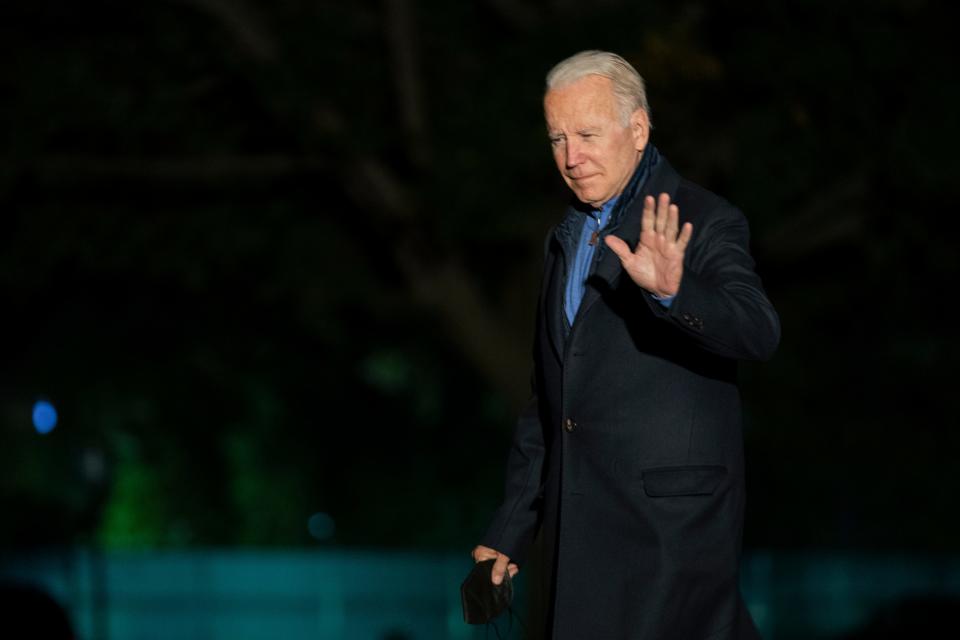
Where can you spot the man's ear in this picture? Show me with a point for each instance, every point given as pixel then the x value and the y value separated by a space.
pixel 640 129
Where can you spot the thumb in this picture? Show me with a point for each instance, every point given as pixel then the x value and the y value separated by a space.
pixel 499 567
pixel 619 247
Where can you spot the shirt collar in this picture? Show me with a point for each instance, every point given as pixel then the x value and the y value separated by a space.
pixel 603 213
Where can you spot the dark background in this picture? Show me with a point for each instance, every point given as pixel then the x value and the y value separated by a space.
pixel 276 259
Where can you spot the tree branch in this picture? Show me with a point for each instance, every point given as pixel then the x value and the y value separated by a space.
pixel 243 23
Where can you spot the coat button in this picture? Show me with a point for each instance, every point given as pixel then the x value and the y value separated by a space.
pixel 569 425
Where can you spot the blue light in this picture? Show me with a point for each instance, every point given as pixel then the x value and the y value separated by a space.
pixel 44 417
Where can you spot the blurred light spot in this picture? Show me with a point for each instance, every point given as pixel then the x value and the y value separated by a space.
pixel 320 526
pixel 44 417
pixel 93 465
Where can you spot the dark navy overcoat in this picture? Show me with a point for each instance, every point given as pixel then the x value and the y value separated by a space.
pixel 629 457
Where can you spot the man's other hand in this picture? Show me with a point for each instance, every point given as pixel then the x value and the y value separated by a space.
pixel 501 562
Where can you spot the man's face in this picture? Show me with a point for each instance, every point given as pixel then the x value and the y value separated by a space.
pixel 594 150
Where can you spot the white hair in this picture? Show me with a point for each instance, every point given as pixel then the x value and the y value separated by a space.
pixel 628 87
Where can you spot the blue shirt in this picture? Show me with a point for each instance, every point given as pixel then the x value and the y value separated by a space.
pixel 593 223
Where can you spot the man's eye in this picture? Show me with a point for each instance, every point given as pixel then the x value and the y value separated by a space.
pixel 556 141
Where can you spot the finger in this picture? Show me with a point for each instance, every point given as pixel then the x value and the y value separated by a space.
pixel 481 553
pixel 513 569
pixel 646 222
pixel 619 247
pixel 663 207
pixel 499 567
pixel 673 222
pixel 685 234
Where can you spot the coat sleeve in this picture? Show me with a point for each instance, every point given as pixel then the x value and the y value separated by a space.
pixel 517 520
pixel 721 303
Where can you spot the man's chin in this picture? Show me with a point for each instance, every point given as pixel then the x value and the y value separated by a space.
pixel 588 197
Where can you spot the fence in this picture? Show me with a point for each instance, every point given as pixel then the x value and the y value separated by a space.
pixel 216 594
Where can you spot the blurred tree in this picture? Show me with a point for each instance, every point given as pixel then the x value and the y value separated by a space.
pixel 279 259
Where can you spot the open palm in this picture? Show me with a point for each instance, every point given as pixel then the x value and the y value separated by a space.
pixel 657 263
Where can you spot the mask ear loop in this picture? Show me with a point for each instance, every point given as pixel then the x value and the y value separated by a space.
pixel 513 616
pixel 495 630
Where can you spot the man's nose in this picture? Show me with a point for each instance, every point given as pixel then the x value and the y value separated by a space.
pixel 573 155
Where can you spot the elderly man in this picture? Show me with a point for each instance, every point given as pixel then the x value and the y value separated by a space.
pixel 629 457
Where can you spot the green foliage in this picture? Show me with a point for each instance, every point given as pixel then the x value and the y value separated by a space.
pixel 137 513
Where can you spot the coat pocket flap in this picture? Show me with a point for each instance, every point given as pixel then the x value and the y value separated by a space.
pixel 683 481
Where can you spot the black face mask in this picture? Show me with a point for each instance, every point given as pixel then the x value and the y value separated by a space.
pixel 482 600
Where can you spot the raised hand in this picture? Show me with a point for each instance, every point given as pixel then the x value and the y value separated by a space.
pixel 657 263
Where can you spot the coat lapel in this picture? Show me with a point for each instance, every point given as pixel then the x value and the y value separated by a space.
pixel 552 300
pixel 555 278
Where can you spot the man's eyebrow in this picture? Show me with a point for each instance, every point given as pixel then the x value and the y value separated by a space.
pixel 588 130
